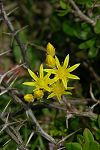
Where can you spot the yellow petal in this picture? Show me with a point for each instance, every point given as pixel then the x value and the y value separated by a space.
pixel 59 97
pixel 70 88
pixel 51 71
pixel 41 71
pixel 51 95
pixel 51 81
pixel 71 76
pixel 68 93
pixel 66 61
pixel 29 83
pixel 73 67
pixel 32 74
pixel 65 82
pixel 57 62
pixel 46 88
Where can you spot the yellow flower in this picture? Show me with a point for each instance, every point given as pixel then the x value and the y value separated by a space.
pixel 58 89
pixel 29 98
pixel 40 82
pixel 38 94
pixel 50 61
pixel 50 49
pixel 62 72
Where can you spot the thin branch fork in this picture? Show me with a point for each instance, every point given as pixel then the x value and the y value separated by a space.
pixel 13 32
pixel 30 113
pixel 13 135
pixel 81 14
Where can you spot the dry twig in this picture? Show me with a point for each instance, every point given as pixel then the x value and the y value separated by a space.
pixel 13 32
pixel 81 14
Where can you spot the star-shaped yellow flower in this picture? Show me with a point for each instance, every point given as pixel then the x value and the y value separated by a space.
pixel 41 82
pixel 58 89
pixel 62 72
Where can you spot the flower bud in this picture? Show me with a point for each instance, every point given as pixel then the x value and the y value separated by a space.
pixel 29 98
pixel 50 49
pixel 38 94
pixel 50 61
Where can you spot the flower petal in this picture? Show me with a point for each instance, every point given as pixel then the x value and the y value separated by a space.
pixel 47 88
pixel 46 77
pixel 66 61
pixel 51 71
pixel 71 76
pixel 57 62
pixel 65 82
pixel 32 74
pixel 29 83
pixel 73 67
pixel 59 96
pixel 41 71
pixel 70 88
pixel 53 80
pixel 51 95
pixel 68 93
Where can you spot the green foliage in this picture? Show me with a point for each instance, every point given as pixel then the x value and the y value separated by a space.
pixel 91 145
pixel 86 142
pixel 16 52
pixel 73 146
pixel 99 121
pixel 88 136
pixel 65 8
pixel 97 27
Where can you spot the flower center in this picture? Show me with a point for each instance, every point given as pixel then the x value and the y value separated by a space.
pixel 40 83
pixel 61 72
pixel 58 89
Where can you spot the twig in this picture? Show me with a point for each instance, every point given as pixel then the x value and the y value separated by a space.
pixel 88 114
pixel 12 135
pixel 65 138
pixel 37 47
pixel 31 135
pixel 39 129
pixel 5 52
pixel 91 93
pixel 5 108
pixel 80 13
pixel 9 71
pixel 91 69
pixel 11 28
pixel 31 115
pixel 12 11
pixel 7 142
